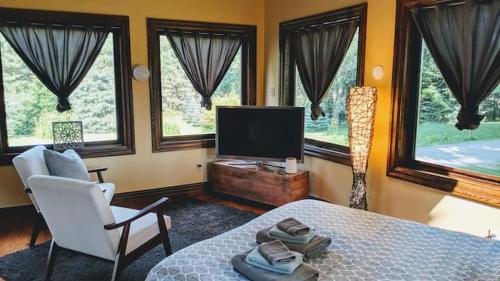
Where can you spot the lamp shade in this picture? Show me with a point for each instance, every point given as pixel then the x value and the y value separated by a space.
pixel 361 104
pixel 361 116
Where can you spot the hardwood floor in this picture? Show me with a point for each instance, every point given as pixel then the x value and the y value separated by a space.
pixel 17 223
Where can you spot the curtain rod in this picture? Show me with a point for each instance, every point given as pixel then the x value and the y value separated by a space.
pixel 217 33
pixel 327 23
pixel 57 25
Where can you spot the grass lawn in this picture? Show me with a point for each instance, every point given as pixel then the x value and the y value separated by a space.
pixel 427 135
pixel 338 137
pixel 177 120
pixel 435 133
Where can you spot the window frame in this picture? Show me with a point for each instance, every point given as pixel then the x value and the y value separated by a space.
pixel 119 25
pixel 162 143
pixel 328 151
pixel 406 80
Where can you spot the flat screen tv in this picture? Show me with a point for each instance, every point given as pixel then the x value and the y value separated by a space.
pixel 260 133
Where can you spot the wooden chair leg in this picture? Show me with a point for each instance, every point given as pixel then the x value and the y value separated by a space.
pixel 36 230
pixel 164 232
pixel 117 270
pixel 51 260
pixel 166 245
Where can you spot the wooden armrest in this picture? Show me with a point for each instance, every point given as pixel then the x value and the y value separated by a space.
pixel 156 206
pixel 97 169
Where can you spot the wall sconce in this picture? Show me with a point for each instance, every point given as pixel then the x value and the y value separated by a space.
pixel 141 72
pixel 378 72
pixel 361 104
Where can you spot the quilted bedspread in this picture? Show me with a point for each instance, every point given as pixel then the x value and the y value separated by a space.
pixel 365 246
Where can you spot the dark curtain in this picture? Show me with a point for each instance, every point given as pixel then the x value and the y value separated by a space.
pixel 319 53
pixel 59 56
pixel 287 67
pixel 464 41
pixel 205 57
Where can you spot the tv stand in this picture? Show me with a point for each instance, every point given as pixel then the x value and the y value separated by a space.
pixel 254 181
pixel 263 165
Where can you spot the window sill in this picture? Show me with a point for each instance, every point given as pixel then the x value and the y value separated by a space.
pixel 328 151
pixel 482 189
pixel 184 142
pixel 90 151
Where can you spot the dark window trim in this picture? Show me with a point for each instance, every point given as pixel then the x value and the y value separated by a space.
pixel 401 162
pixel 248 87
pixel 125 125
pixel 324 150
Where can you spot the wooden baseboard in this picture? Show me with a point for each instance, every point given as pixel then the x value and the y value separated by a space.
pixel 126 197
pixel 316 197
pixel 18 211
pixel 156 193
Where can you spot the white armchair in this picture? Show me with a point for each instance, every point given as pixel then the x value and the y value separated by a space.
pixel 32 162
pixel 80 219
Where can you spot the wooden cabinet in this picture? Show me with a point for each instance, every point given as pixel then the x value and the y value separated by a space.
pixel 256 184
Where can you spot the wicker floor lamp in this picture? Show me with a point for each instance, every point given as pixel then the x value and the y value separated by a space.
pixel 361 109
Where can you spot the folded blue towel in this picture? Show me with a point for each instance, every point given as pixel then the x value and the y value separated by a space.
pixel 254 258
pixel 277 234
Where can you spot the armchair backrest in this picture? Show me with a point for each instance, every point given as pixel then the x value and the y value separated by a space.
pixel 76 212
pixel 30 163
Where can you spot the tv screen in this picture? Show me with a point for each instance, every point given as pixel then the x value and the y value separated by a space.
pixel 260 133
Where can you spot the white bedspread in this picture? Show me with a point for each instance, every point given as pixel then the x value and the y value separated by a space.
pixel 365 246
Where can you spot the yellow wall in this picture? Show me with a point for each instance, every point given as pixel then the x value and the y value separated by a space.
pixel 145 169
pixel 333 181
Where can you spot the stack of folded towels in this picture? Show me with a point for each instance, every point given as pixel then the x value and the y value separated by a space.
pixel 297 237
pixel 282 250
pixel 273 261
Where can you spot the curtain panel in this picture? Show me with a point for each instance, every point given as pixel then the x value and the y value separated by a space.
pixel 317 51
pixel 464 41
pixel 205 58
pixel 60 56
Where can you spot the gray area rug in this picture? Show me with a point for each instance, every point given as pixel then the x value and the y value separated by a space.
pixel 192 221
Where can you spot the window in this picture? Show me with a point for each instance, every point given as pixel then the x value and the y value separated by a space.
pixel 439 142
pixel 426 148
pixel 30 115
pixel 333 127
pixel 181 110
pixel 179 121
pixel 101 101
pixel 326 137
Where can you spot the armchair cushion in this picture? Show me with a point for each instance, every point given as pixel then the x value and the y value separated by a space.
pixel 108 189
pixel 66 165
pixel 141 230
pixel 29 163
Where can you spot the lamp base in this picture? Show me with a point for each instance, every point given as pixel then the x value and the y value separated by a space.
pixel 357 199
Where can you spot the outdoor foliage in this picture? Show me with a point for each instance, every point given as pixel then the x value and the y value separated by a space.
pixel 182 111
pixel 31 107
pixel 333 127
pixel 438 110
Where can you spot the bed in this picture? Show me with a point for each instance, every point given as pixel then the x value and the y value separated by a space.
pixel 365 246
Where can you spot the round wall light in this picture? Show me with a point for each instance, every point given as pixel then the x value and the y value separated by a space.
pixel 378 72
pixel 141 72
